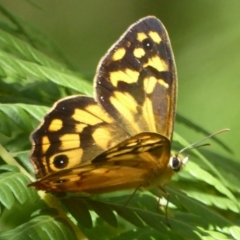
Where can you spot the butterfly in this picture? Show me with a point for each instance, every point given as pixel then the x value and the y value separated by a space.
pixel 121 138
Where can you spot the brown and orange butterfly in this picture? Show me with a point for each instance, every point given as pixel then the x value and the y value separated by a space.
pixel 121 138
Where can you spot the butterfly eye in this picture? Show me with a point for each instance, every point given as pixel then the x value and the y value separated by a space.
pixel 60 161
pixel 175 163
pixel 147 44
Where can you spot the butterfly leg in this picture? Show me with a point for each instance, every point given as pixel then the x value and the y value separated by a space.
pixel 129 199
pixel 166 207
pixel 132 195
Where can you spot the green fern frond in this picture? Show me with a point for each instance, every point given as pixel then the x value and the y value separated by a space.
pixel 41 228
pixel 13 187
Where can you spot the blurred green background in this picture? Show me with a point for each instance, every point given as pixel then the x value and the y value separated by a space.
pixel 205 37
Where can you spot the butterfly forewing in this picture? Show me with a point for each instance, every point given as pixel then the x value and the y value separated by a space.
pixel 136 80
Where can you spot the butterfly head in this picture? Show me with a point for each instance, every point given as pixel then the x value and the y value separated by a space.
pixel 176 163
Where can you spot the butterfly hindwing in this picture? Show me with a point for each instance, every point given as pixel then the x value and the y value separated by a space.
pixel 129 164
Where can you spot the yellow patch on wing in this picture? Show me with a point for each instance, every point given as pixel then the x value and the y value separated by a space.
pixel 128 76
pixel 45 144
pixel 138 52
pixel 149 84
pixel 85 117
pixel 79 127
pixel 97 111
pixel 126 104
pixel 132 144
pixel 141 36
pixel 74 157
pixel 157 63
pixel 69 141
pixel 155 37
pixel 149 115
pixel 101 137
pixel 163 83
pixel 119 54
pixel 122 155
pixel 55 125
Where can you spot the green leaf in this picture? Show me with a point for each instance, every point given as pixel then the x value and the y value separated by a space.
pixel 159 223
pixel 20 117
pixel 193 206
pixel 13 186
pixel 16 68
pixel 41 228
pixel 181 119
pixel 129 216
pixel 79 211
pixel 213 200
pixel 26 52
pixel 235 232
pixel 104 212
pixel 203 175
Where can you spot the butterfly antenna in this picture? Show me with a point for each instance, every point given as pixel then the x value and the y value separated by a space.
pixel 206 144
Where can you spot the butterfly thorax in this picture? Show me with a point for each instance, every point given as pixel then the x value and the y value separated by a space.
pixel 161 169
